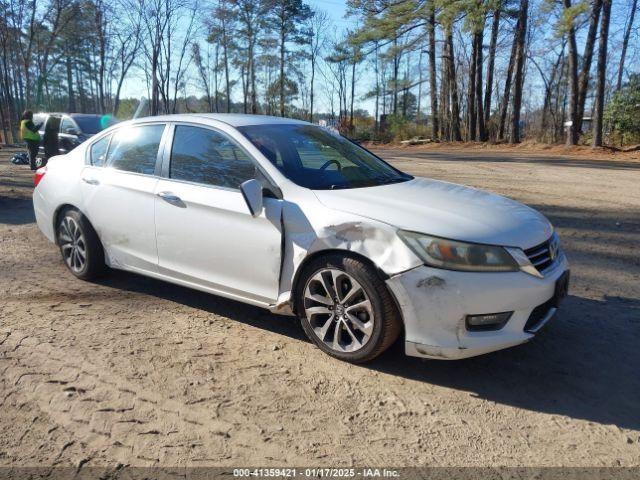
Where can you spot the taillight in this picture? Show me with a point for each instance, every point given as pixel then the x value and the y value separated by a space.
pixel 39 176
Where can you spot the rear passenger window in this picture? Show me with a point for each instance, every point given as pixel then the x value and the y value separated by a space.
pixel 204 156
pixel 135 149
pixel 98 152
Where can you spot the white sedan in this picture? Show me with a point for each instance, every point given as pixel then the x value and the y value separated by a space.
pixel 288 216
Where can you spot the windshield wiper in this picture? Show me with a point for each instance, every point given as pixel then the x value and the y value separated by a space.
pixel 388 180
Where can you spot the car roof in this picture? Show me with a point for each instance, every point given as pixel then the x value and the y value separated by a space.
pixel 233 119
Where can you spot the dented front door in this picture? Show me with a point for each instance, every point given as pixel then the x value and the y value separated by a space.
pixel 206 236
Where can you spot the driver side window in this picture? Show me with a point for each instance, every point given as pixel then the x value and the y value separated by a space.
pixel 201 155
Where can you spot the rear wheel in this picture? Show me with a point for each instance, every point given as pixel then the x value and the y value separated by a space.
pixel 79 245
pixel 346 309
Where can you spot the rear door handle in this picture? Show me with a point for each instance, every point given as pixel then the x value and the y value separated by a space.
pixel 169 197
pixel 91 181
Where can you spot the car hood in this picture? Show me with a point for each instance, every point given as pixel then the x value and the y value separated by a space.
pixel 445 210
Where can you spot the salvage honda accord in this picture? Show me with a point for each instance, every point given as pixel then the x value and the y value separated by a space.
pixel 288 216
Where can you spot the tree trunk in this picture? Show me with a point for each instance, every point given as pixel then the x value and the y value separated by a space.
pixel 572 132
pixel 471 95
pixel 216 86
pixel 225 55
pixel 583 79
pixel 547 96
pixel 453 85
pixel 244 79
pixel 491 63
pixel 282 56
pixel 601 74
pixel 313 76
pixel 445 123
pixel 70 93
pixel 433 85
pixel 353 94
pixel 518 80
pixel 252 72
pixel 482 131
pixel 625 43
pixel 396 68
pixel 507 85
pixel 100 27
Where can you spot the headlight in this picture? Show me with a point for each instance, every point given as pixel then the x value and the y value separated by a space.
pixel 454 255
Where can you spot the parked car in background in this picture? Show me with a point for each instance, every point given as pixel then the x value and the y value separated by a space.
pixel 71 128
pixel 288 216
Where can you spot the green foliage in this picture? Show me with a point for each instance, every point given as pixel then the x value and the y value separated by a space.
pixel 623 112
pixel 401 128
pixel 570 17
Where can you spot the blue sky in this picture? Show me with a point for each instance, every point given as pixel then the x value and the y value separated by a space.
pixel 336 9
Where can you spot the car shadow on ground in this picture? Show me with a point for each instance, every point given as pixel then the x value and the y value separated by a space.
pixel 582 365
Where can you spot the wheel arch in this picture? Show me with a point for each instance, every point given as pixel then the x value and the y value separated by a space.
pixel 297 284
pixel 63 208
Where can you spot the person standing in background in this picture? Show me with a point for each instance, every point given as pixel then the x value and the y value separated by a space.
pixel 29 133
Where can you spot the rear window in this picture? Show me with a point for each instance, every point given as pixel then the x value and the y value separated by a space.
pixel 135 149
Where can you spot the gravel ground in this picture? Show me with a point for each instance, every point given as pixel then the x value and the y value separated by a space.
pixel 134 371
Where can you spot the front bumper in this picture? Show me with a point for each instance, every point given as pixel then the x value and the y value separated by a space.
pixel 434 303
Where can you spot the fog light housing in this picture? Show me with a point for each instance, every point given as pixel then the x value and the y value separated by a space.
pixel 487 321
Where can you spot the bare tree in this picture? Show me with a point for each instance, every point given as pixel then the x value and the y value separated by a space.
pixel 433 85
pixel 318 24
pixel 495 25
pixel 202 72
pixel 507 85
pixel 625 42
pixel 601 73
pixel 587 57
pixel 518 79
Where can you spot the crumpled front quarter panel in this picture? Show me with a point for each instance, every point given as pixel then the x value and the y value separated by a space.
pixel 328 229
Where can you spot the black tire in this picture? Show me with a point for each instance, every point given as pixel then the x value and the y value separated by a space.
pixel 387 324
pixel 93 265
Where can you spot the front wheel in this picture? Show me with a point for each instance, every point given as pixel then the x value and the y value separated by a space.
pixel 79 245
pixel 346 309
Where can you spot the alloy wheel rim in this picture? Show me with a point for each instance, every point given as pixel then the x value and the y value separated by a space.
pixel 339 310
pixel 72 244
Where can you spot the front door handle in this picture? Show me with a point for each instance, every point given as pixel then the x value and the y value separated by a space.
pixel 169 197
pixel 91 181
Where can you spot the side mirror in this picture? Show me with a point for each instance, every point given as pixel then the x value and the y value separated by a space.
pixel 252 193
pixel 71 131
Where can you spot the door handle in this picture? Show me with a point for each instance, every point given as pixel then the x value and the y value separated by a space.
pixel 90 181
pixel 169 197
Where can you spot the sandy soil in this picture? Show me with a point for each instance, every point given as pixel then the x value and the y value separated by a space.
pixel 134 371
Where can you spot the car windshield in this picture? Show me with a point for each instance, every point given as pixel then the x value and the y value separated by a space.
pixel 315 158
pixel 91 124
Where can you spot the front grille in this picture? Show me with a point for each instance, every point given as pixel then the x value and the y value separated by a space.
pixel 538 314
pixel 542 256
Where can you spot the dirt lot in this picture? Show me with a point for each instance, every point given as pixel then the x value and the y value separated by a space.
pixel 134 371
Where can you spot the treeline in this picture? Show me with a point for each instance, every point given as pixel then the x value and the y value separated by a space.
pixel 478 70
pixel 478 57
